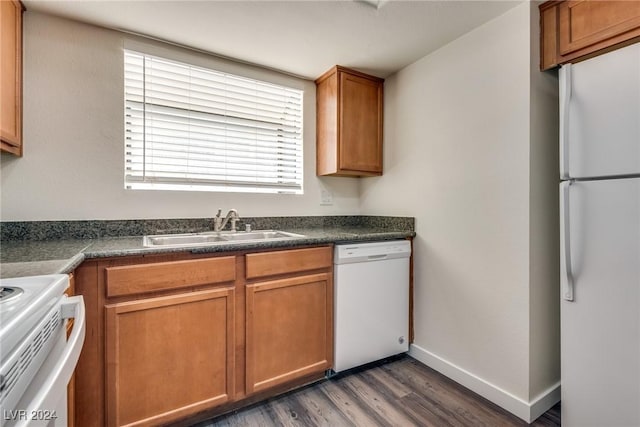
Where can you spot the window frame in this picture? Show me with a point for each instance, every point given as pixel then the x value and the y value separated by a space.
pixel 295 183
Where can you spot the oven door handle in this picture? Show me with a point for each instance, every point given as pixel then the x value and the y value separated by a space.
pixel 58 378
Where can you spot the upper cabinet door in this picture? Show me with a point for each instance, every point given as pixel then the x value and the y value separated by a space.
pixel 349 123
pixel 571 30
pixel 11 76
pixel 585 23
pixel 600 115
pixel 361 135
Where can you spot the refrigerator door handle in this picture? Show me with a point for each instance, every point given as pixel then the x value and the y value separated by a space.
pixel 565 100
pixel 566 277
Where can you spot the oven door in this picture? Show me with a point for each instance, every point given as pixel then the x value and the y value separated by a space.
pixel 44 402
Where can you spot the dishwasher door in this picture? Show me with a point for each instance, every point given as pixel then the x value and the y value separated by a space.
pixel 371 302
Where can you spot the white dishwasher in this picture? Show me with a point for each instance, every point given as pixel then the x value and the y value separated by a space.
pixel 371 305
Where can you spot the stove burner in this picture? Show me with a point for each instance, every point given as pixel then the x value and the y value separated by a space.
pixel 8 293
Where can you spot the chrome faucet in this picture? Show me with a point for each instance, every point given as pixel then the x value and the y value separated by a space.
pixel 219 223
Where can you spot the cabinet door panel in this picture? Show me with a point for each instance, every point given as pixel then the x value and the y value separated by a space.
pixel 289 330
pixel 361 124
pixel 169 357
pixel 11 76
pixel 585 23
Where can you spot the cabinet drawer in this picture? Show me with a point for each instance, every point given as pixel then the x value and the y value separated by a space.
pixel 141 279
pixel 283 262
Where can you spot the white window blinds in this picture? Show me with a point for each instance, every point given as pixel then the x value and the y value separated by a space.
pixel 191 128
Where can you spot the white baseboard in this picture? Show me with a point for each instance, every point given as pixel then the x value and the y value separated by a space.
pixel 528 411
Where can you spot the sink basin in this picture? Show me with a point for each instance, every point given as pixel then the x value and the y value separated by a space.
pixel 259 235
pixel 181 239
pixel 212 238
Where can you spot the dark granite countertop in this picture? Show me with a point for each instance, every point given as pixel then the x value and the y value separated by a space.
pixel 34 257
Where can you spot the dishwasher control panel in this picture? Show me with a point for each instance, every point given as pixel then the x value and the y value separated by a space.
pixel 362 252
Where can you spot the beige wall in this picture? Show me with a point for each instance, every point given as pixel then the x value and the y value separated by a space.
pixel 462 156
pixel 73 136
pixel 544 227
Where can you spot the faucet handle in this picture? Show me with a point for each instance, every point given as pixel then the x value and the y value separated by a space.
pixel 217 221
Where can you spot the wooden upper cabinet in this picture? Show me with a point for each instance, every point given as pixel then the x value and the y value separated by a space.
pixel 587 23
pixel 11 77
pixel 574 30
pixel 349 123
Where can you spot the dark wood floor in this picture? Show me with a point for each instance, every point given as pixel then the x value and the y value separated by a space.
pixel 402 392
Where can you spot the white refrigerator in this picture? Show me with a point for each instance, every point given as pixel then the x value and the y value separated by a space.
pixel 600 240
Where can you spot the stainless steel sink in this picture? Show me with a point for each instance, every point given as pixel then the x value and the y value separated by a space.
pixel 259 235
pixel 213 238
pixel 181 239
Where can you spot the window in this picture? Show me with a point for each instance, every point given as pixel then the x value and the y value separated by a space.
pixel 191 128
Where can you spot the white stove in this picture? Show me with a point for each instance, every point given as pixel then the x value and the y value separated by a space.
pixel 36 359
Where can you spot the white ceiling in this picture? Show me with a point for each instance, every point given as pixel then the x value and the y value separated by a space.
pixel 304 38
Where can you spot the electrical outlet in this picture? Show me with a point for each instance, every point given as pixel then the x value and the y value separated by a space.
pixel 326 197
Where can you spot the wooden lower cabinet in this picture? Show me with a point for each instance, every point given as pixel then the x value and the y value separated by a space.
pixel 289 330
pixel 169 357
pixel 178 338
